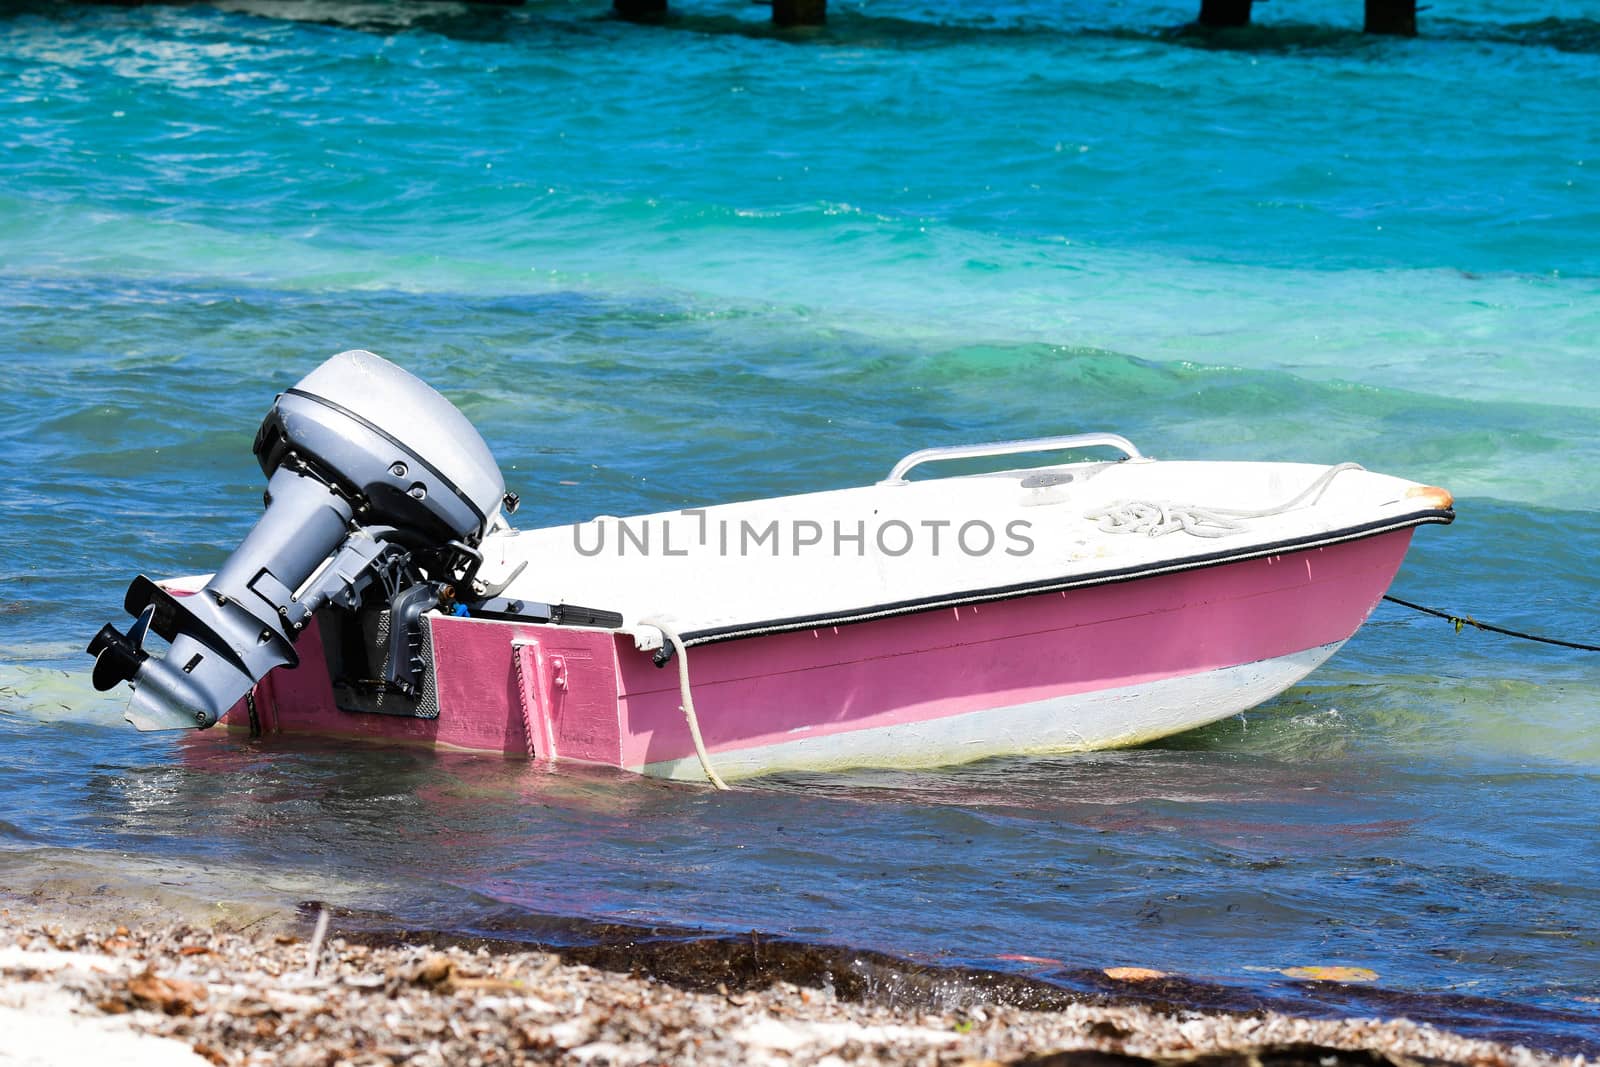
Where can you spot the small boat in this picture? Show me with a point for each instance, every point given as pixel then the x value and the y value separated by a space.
pixel 384 595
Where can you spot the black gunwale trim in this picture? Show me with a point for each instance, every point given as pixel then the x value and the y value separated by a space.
pixel 1053 585
pixel 393 440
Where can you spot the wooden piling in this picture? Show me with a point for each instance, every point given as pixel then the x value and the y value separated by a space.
pixel 1396 17
pixel 799 12
pixel 1221 13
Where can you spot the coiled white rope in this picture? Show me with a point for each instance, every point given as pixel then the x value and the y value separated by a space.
pixel 1155 519
pixel 670 635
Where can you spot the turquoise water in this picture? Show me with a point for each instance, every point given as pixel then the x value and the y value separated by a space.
pixel 667 265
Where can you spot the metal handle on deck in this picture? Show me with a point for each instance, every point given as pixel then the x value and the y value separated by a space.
pixel 1009 448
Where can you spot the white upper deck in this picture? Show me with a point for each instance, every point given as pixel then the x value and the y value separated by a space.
pixel 832 556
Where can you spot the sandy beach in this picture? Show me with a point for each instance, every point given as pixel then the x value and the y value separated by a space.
pixel 165 991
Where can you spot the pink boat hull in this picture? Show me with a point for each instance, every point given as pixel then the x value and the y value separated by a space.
pixel 1085 668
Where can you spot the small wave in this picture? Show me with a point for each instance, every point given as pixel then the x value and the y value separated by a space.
pixel 1581 35
pixel 1269 38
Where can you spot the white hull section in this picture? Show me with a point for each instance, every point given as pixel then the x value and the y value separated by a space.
pixel 1080 722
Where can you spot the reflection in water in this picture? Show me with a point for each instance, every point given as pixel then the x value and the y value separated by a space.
pixel 1223 866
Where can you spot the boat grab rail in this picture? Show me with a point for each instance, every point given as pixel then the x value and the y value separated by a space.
pixel 897 476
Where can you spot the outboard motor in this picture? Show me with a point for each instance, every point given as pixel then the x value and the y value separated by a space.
pixel 372 476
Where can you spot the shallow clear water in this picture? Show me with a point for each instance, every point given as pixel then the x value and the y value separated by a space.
pixel 679 264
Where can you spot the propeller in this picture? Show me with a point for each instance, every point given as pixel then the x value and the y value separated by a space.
pixel 118 656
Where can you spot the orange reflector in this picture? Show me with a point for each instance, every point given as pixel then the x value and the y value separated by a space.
pixel 1431 495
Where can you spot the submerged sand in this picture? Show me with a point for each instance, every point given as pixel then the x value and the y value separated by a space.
pixel 77 987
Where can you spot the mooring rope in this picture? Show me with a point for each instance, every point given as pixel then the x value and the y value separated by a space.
pixel 1156 519
pixel 1458 621
pixel 671 637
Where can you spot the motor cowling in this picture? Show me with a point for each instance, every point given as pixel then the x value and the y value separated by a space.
pixel 372 476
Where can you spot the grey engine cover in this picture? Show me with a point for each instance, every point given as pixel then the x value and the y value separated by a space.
pixel 368 469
